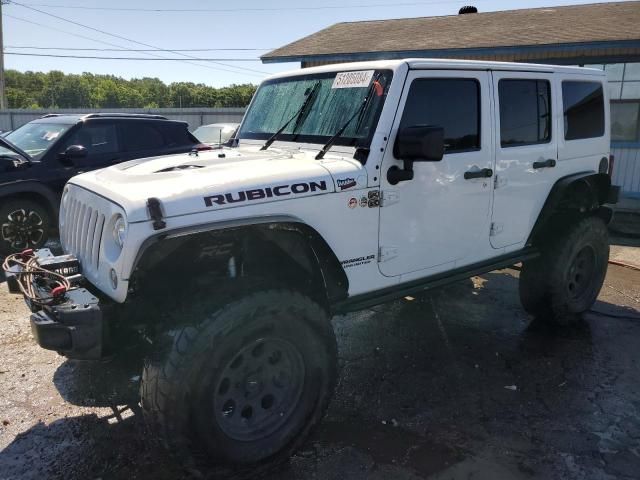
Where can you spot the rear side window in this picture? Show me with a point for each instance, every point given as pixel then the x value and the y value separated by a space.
pixel 139 136
pixel 583 110
pixel 175 134
pixel 525 112
pixel 450 103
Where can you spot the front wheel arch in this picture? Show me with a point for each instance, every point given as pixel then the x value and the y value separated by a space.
pixel 281 253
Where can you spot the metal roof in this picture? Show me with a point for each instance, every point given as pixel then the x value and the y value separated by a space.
pixel 567 27
pixel 438 64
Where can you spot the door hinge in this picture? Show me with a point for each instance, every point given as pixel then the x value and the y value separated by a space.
pixel 387 253
pixel 499 181
pixel 389 197
pixel 496 228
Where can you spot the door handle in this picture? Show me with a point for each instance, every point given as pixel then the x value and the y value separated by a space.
pixel 546 164
pixel 482 173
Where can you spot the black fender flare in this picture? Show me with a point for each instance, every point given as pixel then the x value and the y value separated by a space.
pixel 598 184
pixel 34 188
pixel 333 276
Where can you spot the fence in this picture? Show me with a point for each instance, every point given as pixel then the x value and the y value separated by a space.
pixel 14 118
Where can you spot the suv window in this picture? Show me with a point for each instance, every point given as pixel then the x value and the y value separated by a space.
pixel 451 103
pixel 138 136
pixel 175 134
pixel 525 112
pixel 583 110
pixel 37 138
pixel 97 138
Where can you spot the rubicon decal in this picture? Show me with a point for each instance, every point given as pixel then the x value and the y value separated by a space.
pixel 262 193
pixel 344 183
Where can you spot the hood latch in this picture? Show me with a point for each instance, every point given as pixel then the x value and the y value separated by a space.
pixel 155 212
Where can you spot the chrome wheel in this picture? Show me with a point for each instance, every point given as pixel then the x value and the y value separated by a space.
pixel 23 228
pixel 259 389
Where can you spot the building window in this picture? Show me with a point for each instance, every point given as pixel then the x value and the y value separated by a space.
pixel 450 103
pixel 583 110
pixel 625 121
pixel 525 112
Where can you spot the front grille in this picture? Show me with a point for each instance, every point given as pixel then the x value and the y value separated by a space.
pixel 81 232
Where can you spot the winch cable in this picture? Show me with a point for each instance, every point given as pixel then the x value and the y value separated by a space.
pixel 30 272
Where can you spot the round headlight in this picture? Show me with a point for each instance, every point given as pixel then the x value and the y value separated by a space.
pixel 119 231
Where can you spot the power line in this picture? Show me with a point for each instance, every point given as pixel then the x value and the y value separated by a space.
pixel 132 58
pixel 128 39
pixel 237 10
pixel 109 43
pixel 33 47
pixel 59 30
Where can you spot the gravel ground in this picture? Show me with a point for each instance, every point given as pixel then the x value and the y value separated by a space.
pixel 455 384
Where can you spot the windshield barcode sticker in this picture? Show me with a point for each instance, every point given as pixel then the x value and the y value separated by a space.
pixel 358 79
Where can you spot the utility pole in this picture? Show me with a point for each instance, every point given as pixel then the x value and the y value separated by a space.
pixel 3 97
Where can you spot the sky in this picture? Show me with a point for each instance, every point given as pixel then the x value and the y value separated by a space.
pixel 242 24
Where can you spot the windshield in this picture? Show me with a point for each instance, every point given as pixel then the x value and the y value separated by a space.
pixel 214 134
pixel 339 95
pixel 37 138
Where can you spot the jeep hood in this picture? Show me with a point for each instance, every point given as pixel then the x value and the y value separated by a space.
pixel 218 179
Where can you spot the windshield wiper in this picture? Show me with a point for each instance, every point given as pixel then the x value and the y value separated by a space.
pixel 297 116
pixel 357 113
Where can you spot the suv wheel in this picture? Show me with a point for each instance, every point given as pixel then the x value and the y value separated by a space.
pixel 23 224
pixel 566 280
pixel 244 386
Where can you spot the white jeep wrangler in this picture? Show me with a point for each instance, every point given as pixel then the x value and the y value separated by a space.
pixel 347 186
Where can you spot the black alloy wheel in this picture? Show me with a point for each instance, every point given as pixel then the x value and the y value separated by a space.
pixel 23 225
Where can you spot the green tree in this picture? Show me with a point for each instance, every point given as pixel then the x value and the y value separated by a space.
pixel 56 89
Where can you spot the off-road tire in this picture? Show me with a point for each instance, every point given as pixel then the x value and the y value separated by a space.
pixel 566 279
pixel 181 385
pixel 37 217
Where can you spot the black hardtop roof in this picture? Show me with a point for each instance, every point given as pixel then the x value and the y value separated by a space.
pixel 71 118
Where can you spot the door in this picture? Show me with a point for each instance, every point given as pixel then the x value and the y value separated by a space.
pixel 439 218
pixel 526 153
pixel 100 138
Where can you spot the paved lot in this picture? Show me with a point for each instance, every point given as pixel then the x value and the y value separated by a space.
pixel 421 395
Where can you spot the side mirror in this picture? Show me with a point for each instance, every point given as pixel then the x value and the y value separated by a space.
pixel 73 152
pixel 417 143
pixel 7 163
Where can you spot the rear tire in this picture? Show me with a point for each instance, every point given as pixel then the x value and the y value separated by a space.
pixel 566 280
pixel 23 224
pixel 239 390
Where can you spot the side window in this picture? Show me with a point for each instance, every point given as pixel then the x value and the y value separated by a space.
pixel 97 138
pixel 583 110
pixel 175 134
pixel 525 112
pixel 138 136
pixel 451 103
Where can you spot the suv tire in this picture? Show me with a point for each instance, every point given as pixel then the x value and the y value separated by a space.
pixel 243 385
pixel 23 224
pixel 566 280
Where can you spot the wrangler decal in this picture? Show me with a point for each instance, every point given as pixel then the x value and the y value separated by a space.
pixel 268 192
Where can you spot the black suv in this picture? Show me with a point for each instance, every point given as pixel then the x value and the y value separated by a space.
pixel 37 159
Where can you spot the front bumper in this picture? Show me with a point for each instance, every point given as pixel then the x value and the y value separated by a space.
pixel 74 325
